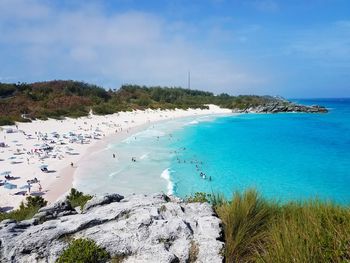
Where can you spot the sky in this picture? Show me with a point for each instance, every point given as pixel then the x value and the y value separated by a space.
pixel 291 48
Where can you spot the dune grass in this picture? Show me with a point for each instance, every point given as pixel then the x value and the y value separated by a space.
pixel 309 232
pixel 257 230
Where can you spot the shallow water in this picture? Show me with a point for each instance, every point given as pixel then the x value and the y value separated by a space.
pixel 285 156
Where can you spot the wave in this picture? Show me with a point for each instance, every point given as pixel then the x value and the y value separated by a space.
pixel 144 156
pixel 166 175
pixel 193 122
pixel 149 133
pixel 112 174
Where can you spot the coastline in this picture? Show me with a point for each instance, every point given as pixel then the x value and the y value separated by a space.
pixel 63 184
pixel 56 184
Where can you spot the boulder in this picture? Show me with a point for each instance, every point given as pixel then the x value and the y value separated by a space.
pixel 102 200
pixel 141 228
pixel 57 209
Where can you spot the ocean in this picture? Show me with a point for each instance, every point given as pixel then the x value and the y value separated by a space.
pixel 285 156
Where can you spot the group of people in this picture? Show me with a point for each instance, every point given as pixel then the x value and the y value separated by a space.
pixel 196 162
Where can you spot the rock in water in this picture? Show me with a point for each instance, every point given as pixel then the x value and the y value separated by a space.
pixel 153 228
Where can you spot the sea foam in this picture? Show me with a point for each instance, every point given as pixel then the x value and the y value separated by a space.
pixel 166 175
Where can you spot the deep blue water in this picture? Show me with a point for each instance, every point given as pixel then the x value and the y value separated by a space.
pixel 284 156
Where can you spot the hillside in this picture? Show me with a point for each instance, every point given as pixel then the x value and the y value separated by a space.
pixel 66 98
pixel 161 228
pixel 137 228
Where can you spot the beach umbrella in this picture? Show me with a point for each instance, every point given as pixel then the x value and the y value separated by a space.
pixel 12 158
pixel 43 166
pixel 26 186
pixel 6 173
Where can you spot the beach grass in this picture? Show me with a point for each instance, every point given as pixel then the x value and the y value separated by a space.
pixel 258 230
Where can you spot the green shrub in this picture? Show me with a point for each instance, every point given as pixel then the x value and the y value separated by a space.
pixel 25 211
pixel 198 197
pixel 83 251
pixel 4 120
pixel 77 198
pixel 103 109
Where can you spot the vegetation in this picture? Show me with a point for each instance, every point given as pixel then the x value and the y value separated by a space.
pixel 83 251
pixel 198 197
pixel 25 211
pixel 257 230
pixel 77 198
pixel 58 98
pixel 34 203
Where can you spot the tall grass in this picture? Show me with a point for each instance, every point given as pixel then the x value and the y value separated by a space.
pixel 257 230
pixel 246 221
pixel 309 232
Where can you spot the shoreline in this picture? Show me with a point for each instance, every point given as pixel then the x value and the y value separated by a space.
pixel 66 183
pixel 54 185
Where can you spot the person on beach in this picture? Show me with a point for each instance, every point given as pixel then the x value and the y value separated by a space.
pixel 40 188
pixel 113 155
pixel 71 164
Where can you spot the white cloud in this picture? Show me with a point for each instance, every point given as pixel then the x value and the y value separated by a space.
pixel 129 47
pixel 19 9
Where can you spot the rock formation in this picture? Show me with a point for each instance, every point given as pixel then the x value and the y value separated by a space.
pixel 154 228
pixel 281 105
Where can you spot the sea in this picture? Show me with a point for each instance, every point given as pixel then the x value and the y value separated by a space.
pixel 284 156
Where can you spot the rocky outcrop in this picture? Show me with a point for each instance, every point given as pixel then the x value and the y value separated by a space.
pixel 282 106
pixel 154 228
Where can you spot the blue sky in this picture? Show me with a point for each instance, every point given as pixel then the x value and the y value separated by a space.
pixel 290 48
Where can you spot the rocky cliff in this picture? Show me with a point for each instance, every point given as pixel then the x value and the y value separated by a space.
pixel 282 105
pixel 154 228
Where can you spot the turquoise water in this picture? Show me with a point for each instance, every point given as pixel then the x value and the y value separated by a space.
pixel 284 156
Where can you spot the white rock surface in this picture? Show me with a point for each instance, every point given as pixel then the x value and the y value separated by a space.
pixel 152 228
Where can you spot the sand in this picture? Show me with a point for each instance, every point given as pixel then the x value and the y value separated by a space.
pixel 69 140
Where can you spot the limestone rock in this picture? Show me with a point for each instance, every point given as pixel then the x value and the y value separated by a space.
pixel 277 105
pixel 142 228
pixel 102 200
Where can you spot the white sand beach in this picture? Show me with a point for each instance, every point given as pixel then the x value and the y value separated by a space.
pixel 39 158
